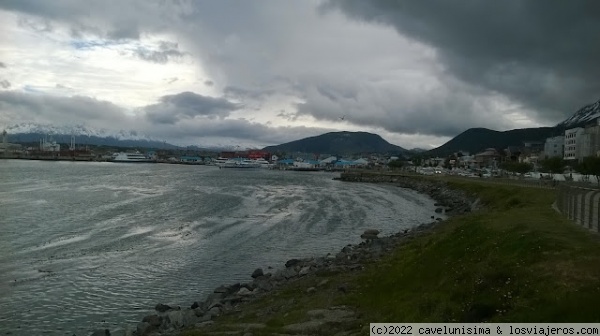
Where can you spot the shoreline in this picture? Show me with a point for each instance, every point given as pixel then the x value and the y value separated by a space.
pixel 231 298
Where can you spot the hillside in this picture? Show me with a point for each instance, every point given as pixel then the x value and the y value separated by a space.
pixel 475 140
pixel 339 143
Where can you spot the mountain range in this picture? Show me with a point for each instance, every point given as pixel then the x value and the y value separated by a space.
pixel 475 140
pixel 472 140
pixel 85 135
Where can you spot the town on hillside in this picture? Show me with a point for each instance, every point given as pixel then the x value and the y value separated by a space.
pixel 48 149
pixel 576 151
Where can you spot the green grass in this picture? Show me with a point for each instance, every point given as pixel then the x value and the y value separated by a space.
pixel 516 261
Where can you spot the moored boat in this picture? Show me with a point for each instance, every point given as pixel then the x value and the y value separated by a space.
pixel 130 157
pixel 239 163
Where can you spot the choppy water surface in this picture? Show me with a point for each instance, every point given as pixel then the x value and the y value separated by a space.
pixel 96 245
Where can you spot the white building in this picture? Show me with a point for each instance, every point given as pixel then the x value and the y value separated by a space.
pixel 554 147
pixel 573 140
pixel 590 141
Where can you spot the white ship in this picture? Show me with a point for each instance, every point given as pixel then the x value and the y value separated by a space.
pixel 262 163
pixel 239 163
pixel 130 157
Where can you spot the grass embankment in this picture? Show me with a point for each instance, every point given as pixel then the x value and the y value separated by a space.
pixel 516 261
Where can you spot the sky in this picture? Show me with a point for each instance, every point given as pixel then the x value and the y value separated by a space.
pixel 265 72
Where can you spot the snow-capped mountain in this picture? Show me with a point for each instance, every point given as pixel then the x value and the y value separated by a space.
pixel 76 130
pixel 86 135
pixel 585 115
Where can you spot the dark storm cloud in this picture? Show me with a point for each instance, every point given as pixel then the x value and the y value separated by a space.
pixel 186 105
pixel 542 53
pixel 165 52
pixel 4 84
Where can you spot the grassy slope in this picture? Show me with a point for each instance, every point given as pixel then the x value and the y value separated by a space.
pixel 517 261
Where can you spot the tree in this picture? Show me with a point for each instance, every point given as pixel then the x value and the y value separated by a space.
pixel 516 167
pixel 396 164
pixel 553 165
pixel 590 166
pixel 417 160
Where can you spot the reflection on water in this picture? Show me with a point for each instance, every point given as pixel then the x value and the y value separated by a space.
pixel 96 245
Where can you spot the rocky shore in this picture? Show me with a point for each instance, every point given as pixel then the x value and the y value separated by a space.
pixel 169 319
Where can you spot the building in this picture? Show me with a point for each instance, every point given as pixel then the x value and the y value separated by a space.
pixel 554 147
pixel 590 141
pixel 573 139
pixel 258 154
pixel 489 158
pixel 7 148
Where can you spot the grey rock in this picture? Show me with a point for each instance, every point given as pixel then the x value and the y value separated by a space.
pixel 190 318
pixel 174 318
pixel 292 262
pixel 153 320
pixel 101 332
pixel 215 311
pixel 144 328
pixel 213 298
pixel 323 282
pixel 257 272
pixel 368 236
pixel 304 271
pixel 162 308
pixel 289 273
pixel 311 290
pixel 371 232
pixel 264 284
pixel 439 210
pixel 245 292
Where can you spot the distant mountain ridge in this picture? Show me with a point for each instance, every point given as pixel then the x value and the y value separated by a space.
pixel 476 140
pixel 339 143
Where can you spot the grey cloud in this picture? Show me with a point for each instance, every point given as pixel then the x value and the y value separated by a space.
pixel 256 93
pixel 166 51
pixel 540 53
pixel 124 31
pixel 444 113
pixel 208 83
pixel 57 110
pixel 112 19
pixel 4 84
pixel 290 116
pixel 243 131
pixel 186 105
pixel 40 25
pixel 2 65
pixel 171 80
